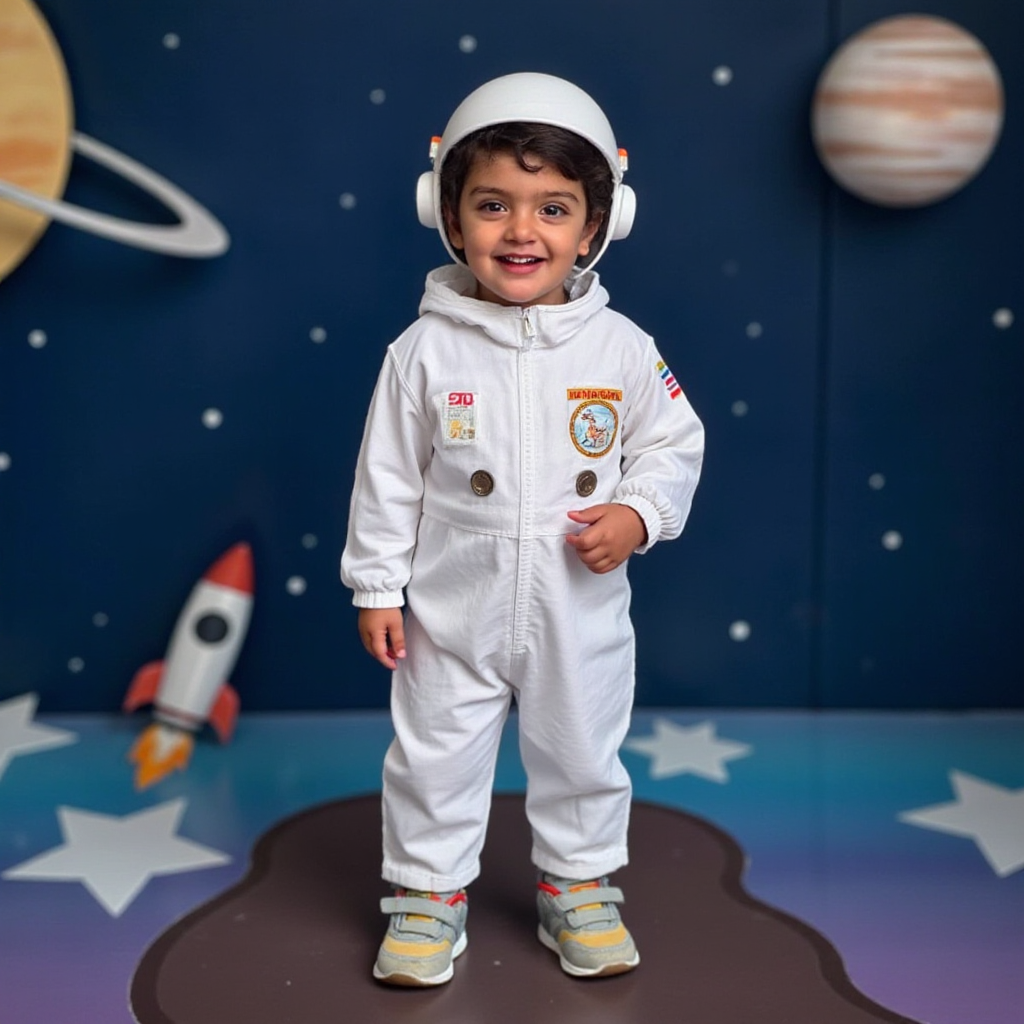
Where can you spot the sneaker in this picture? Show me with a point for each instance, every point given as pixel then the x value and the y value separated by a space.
pixel 580 922
pixel 427 931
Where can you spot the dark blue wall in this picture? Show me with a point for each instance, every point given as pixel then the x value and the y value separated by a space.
pixel 877 351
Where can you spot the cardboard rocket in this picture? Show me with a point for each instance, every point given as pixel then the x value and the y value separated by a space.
pixel 190 686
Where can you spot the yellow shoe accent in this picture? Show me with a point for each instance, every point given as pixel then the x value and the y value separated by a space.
pixel 596 940
pixel 418 949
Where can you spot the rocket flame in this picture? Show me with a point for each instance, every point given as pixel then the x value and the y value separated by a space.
pixel 160 750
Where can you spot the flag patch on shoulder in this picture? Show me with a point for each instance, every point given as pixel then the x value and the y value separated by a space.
pixel 671 384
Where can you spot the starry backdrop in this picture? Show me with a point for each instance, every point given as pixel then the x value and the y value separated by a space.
pixel 856 538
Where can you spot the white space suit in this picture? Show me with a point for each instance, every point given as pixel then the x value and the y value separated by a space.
pixel 487 425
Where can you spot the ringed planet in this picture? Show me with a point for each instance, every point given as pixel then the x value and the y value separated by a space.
pixel 38 141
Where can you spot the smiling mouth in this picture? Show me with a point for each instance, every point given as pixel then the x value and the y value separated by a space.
pixel 520 261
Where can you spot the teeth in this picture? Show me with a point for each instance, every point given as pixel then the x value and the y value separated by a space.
pixel 520 259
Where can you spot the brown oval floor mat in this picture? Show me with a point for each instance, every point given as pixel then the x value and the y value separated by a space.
pixel 294 941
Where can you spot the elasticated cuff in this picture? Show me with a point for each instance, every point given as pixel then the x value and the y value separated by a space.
pixel 378 599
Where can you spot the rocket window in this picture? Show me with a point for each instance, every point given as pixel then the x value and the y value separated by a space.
pixel 211 628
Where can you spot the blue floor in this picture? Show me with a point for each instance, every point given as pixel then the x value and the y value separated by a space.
pixel 899 837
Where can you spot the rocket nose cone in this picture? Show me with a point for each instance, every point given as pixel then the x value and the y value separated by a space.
pixel 233 569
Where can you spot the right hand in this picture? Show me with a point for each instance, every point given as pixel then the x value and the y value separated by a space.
pixel 383 634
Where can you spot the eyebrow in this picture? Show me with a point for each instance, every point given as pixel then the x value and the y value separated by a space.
pixel 494 191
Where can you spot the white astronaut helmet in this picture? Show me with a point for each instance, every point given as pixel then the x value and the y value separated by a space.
pixel 540 99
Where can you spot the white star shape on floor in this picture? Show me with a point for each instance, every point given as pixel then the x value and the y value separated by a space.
pixel 991 815
pixel 679 749
pixel 115 857
pixel 19 735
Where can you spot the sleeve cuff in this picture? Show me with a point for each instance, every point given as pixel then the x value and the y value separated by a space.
pixel 378 599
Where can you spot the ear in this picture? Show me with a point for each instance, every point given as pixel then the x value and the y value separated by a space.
pixel 451 223
pixel 588 235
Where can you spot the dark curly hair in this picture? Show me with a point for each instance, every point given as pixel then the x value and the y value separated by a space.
pixel 534 146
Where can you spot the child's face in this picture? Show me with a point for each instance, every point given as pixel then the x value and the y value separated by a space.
pixel 521 231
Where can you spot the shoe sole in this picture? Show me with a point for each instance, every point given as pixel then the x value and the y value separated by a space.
pixel 414 981
pixel 604 971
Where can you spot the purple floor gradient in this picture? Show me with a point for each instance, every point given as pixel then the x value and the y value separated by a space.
pixel 927 922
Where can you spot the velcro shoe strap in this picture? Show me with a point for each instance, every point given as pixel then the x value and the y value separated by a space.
pixel 572 900
pixel 602 913
pixel 420 905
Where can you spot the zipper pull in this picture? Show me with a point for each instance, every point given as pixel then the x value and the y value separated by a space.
pixel 529 330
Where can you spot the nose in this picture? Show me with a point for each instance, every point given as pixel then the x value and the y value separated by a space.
pixel 518 227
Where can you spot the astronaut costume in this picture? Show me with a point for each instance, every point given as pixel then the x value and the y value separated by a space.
pixel 487 425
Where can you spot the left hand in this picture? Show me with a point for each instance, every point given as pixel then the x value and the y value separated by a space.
pixel 611 534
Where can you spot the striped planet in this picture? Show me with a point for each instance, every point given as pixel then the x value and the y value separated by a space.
pixel 907 111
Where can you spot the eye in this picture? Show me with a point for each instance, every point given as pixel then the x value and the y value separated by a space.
pixel 553 210
pixel 491 206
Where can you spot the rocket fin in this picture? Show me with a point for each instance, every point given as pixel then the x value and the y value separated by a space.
pixel 224 712
pixel 144 686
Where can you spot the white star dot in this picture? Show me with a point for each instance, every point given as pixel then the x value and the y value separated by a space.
pixel 296 586
pixel 467 44
pixel 739 631
pixel 1003 318
pixel 318 335
pixel 740 408
pixel 892 540
pixel 347 201
pixel 172 40
pixel 378 96
pixel 309 541
pixel 5 462
pixel 754 330
pixel 76 665
pixel 37 339
pixel 722 75
pixel 100 619
pixel 212 418
pixel 876 481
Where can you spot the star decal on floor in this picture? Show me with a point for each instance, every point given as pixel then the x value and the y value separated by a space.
pixel 114 857
pixel 20 735
pixel 991 815
pixel 681 749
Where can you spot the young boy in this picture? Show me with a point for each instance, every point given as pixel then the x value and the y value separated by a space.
pixel 523 441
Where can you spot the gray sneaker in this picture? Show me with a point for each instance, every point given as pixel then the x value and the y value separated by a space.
pixel 580 922
pixel 427 931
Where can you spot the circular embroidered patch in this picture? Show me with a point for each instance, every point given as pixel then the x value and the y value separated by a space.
pixel 593 426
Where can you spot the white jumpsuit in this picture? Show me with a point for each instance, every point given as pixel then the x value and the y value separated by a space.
pixel 487 425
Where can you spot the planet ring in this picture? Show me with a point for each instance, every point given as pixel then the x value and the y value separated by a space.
pixel 198 233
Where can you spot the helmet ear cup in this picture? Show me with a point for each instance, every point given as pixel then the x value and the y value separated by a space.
pixel 425 200
pixel 626 213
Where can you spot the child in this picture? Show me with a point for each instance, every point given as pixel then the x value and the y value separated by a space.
pixel 515 395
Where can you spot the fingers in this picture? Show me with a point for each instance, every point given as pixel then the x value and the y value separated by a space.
pixel 594 552
pixel 587 515
pixel 383 635
pixel 380 648
pixel 595 545
pixel 396 639
pixel 599 562
pixel 589 538
pixel 609 536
